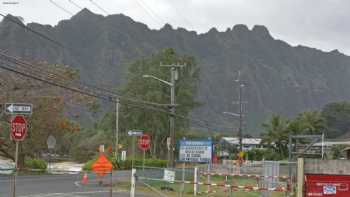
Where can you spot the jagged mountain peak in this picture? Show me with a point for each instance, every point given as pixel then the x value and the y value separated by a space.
pixel 276 71
pixel 261 31
pixel 240 28
pixel 10 19
pixel 85 13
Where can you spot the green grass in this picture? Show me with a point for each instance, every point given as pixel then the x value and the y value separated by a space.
pixel 188 188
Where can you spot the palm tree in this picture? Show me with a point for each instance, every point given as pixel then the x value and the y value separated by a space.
pixel 276 134
pixel 311 122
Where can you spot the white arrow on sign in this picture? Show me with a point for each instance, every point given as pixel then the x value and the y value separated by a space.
pixel 10 108
pixel 136 133
pixel 19 108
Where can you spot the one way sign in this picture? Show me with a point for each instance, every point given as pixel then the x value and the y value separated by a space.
pixel 18 108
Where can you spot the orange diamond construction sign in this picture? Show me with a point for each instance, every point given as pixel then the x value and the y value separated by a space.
pixel 102 166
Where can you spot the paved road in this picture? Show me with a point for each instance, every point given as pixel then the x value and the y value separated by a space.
pixel 60 186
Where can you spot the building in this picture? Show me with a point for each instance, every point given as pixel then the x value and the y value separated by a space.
pixel 326 146
pixel 248 143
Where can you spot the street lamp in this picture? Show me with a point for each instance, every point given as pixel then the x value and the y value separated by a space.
pixel 172 107
pixel 240 116
pixel 153 77
pixel 231 114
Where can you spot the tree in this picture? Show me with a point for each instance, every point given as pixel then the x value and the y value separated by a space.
pixel 157 123
pixel 311 122
pixel 48 112
pixel 276 135
pixel 337 118
pixel 278 129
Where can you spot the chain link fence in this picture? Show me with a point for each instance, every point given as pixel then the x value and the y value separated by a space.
pixel 268 178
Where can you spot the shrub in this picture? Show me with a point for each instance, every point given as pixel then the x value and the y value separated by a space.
pixel 126 165
pixel 35 164
pixel 88 165
pixel 256 154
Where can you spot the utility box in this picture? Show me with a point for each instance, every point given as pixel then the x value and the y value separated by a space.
pixel 321 185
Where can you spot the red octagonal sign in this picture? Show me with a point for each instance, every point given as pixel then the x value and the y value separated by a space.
pixel 18 128
pixel 144 142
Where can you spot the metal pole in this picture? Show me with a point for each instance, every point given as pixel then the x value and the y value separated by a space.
pixel 16 167
pixel 290 160
pixel 183 179
pixel 143 160
pixel 49 166
pixel 133 182
pixel 240 117
pixel 172 118
pixel 133 151
pixel 195 185
pixel 116 129
pixel 111 188
pixel 322 145
pixel 208 178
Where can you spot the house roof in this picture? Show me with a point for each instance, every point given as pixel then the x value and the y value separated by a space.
pixel 245 141
pixel 332 143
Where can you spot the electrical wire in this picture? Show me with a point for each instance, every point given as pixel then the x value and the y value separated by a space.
pixel 75 4
pixel 150 13
pixel 62 8
pixel 99 7
pixel 110 97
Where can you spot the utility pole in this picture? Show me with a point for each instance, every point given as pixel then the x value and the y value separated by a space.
pixel 116 128
pixel 173 78
pixel 240 102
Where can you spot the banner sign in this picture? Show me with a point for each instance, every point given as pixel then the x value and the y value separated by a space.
pixel 195 151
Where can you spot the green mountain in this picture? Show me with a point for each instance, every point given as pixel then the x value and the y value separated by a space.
pixel 280 78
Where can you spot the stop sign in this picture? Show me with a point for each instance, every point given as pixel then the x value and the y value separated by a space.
pixel 144 142
pixel 18 128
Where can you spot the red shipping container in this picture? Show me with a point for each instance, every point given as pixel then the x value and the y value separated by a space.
pixel 327 185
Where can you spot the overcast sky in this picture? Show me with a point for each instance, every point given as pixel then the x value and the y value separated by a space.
pixel 322 24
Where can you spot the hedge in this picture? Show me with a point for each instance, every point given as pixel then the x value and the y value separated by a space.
pixel 35 164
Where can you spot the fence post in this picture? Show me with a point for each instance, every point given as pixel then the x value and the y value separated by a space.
pixel 133 182
pixel 183 179
pixel 111 188
pixel 300 177
pixel 195 179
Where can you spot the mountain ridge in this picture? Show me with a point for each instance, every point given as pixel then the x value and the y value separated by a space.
pixel 282 78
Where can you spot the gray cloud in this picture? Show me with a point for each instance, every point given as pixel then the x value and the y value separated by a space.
pixel 319 24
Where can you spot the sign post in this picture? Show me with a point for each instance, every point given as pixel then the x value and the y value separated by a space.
pixel 18 133
pixel 144 144
pixel 134 133
pixel 51 143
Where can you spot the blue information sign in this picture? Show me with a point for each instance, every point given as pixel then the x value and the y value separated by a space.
pixel 195 151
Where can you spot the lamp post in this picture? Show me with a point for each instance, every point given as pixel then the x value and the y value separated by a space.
pixel 172 110
pixel 240 116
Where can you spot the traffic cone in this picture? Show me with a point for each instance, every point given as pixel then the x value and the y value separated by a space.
pixel 85 179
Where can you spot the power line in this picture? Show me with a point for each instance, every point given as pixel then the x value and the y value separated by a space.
pixel 61 7
pixel 75 4
pixel 150 13
pixel 33 31
pixel 62 46
pixel 99 7
pixel 111 94
pixel 86 91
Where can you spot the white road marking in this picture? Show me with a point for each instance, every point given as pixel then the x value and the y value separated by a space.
pixel 77 183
